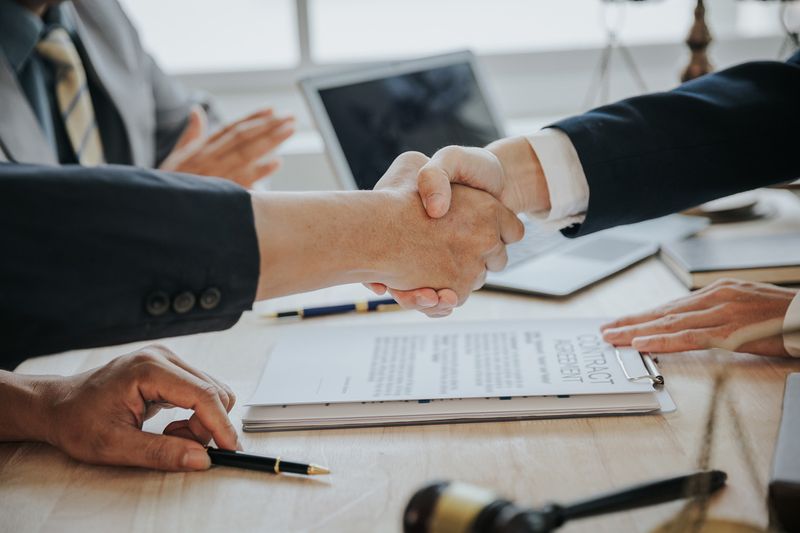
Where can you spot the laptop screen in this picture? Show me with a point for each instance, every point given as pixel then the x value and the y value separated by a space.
pixel 377 120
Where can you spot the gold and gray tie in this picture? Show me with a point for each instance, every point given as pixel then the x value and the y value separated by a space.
pixel 74 100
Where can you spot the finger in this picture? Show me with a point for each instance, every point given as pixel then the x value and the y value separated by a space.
pixel 277 136
pixel 416 299
pixel 238 157
pixel 252 140
pixel 180 428
pixel 377 288
pixel 176 425
pixel 434 189
pixel 195 129
pixel 693 302
pixel 198 431
pixel 256 147
pixel 152 409
pixel 440 314
pixel 511 227
pixel 184 430
pixel 183 389
pixel 226 395
pixel 682 341
pixel 497 260
pixel 673 323
pixel 134 447
pixel 479 282
pixel 260 171
pixel 184 433
pixel 475 167
pixel 225 130
pixel 403 171
pixel 448 300
pixel 225 147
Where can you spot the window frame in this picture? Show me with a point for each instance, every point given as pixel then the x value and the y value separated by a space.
pixel 512 76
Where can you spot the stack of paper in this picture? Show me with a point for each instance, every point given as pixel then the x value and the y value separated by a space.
pixel 453 372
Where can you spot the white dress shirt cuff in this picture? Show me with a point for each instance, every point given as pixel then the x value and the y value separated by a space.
pixel 791 326
pixel 566 181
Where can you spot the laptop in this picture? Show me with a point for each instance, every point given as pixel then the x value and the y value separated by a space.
pixel 370 115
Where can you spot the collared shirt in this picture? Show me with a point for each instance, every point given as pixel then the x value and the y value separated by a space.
pixel 20 32
pixel 569 200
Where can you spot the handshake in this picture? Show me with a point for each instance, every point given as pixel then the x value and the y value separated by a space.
pixel 470 204
pixel 428 233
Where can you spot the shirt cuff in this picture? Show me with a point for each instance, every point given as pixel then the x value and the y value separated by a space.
pixel 566 181
pixel 791 327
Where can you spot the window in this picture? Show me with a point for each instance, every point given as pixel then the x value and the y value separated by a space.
pixel 376 29
pixel 188 36
pixel 191 36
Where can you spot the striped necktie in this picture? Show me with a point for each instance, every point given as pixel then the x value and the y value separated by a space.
pixel 74 100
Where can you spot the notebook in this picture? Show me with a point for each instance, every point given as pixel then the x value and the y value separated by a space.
pixel 452 372
pixel 699 261
pixel 784 483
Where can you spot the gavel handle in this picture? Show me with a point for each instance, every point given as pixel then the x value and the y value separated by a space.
pixel 646 494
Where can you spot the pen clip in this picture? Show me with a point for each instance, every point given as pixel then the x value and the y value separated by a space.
pixel 653 375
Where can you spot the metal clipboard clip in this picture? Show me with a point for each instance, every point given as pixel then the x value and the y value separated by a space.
pixel 653 374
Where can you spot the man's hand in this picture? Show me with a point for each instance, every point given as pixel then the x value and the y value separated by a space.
pixel 507 169
pixel 462 246
pixel 236 152
pixel 97 416
pixel 313 240
pixel 730 314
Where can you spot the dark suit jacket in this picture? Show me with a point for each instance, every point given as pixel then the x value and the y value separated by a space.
pixel 732 131
pixel 98 256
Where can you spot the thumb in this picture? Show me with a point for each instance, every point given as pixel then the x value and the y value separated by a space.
pixel 377 288
pixel 161 452
pixel 195 128
pixel 433 183
pixel 474 167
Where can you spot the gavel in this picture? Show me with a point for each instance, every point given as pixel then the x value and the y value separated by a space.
pixel 448 507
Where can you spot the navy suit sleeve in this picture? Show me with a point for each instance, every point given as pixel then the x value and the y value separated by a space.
pixel 732 131
pixel 99 256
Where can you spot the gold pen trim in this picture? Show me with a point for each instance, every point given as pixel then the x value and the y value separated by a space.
pixel 317 470
pixel 362 307
pixel 277 465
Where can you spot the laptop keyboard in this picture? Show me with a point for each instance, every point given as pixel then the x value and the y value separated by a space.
pixel 604 249
pixel 536 242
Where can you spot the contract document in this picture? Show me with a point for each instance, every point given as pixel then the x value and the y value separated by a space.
pixel 457 371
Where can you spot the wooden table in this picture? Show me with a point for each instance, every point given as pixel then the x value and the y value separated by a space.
pixel 376 470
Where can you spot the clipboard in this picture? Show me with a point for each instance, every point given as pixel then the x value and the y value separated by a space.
pixel 653 374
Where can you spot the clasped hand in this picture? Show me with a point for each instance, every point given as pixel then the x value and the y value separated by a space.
pixel 730 314
pixel 452 173
pixel 453 252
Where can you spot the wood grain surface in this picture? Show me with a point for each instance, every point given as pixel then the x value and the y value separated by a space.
pixel 376 470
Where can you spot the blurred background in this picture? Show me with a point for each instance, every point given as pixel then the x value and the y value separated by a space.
pixel 538 56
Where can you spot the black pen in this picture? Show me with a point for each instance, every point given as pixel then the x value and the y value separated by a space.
pixel 366 306
pixel 274 465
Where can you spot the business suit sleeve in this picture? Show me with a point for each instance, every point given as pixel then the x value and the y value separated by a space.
pixel 106 255
pixel 727 132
